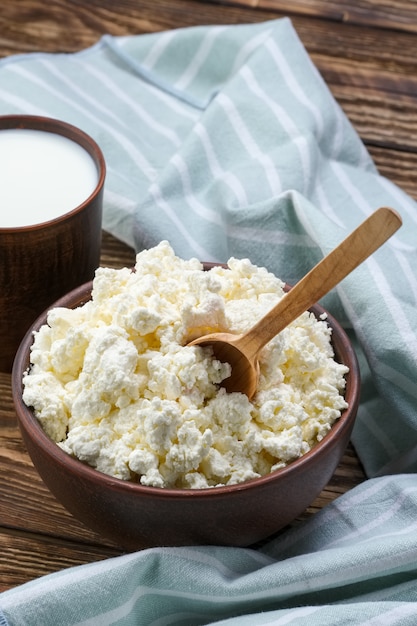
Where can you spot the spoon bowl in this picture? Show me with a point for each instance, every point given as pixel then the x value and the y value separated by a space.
pixel 241 351
pixel 233 349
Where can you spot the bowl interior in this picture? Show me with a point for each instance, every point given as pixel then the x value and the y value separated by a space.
pixel 344 353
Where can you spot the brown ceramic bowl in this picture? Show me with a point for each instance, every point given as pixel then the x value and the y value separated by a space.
pixel 135 516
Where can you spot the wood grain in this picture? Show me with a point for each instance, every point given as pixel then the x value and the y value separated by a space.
pixel 393 15
pixel 37 535
pixel 25 556
pixel 366 52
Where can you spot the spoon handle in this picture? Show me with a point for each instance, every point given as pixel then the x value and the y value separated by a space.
pixel 350 253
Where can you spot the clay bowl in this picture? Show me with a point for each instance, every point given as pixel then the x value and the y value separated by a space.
pixel 135 516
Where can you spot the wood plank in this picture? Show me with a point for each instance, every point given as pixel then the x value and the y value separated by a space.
pixel 400 14
pixel 361 57
pixel 70 26
pixel 398 166
pixel 388 121
pixel 24 556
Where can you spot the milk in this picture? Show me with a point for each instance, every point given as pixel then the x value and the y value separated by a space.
pixel 42 175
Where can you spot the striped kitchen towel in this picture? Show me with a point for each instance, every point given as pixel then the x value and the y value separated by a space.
pixel 226 141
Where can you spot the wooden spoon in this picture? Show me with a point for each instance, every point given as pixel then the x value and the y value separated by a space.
pixel 241 351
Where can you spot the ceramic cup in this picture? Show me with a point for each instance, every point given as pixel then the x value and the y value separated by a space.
pixel 51 195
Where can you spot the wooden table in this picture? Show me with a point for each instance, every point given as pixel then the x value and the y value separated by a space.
pixel 367 53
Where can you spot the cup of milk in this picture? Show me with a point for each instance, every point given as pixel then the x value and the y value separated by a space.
pixel 51 195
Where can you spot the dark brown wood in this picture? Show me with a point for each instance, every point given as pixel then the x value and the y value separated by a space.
pixel 366 52
pixel 396 14
pixel 25 556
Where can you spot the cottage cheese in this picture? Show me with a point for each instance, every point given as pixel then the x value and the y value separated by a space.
pixel 113 383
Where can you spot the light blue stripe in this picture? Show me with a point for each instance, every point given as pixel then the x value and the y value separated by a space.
pixel 141 71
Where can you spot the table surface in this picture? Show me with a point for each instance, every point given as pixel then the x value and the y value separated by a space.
pixel 367 54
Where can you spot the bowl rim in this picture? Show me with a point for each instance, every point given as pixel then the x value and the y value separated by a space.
pixel 29 423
